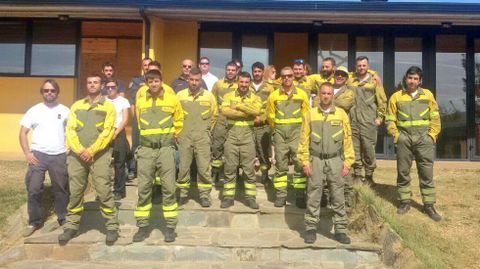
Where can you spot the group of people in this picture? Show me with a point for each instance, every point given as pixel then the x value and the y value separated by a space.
pixel 207 128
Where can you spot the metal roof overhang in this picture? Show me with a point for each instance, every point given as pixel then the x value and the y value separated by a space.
pixel 252 11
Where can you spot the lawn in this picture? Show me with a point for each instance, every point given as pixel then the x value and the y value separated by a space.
pixel 451 243
pixel 12 188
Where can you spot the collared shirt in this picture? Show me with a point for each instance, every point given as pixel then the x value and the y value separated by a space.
pixel 181 83
pixel 200 110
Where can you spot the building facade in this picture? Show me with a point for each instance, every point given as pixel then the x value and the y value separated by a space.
pixel 67 40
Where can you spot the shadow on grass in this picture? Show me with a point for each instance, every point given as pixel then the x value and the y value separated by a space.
pixel 389 193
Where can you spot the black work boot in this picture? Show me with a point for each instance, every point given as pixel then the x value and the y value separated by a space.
pixel 252 203
pixel 310 236
pixel 369 180
pixel 280 202
pixel 111 237
pixel 169 235
pixel 182 201
pixel 141 234
pixel 204 202
pixel 300 202
pixel 404 207
pixel 226 203
pixel 342 238
pixel 67 235
pixel 430 210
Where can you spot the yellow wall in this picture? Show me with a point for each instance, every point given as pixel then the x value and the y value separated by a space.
pixel 17 95
pixel 170 43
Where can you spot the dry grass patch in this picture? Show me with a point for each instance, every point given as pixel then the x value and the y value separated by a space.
pixel 12 188
pixel 451 243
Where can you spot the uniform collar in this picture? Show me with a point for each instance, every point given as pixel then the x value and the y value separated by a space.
pixel 332 109
pixel 199 93
pixel 161 94
pixel 225 80
pixel 100 101
pixel 248 94
pixel 303 79
pixel 420 91
pixel 294 91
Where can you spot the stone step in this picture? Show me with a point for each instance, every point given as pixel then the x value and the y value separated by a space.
pixel 127 264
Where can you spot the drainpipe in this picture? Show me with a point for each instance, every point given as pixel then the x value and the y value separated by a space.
pixel 146 33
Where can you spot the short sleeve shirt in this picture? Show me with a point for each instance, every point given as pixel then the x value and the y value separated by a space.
pixel 48 128
pixel 120 104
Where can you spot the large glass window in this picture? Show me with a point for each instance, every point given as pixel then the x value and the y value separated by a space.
pixel 335 46
pixel 451 95
pixel 12 47
pixel 53 48
pixel 217 46
pixel 372 47
pixel 408 52
pixel 477 97
pixel 254 49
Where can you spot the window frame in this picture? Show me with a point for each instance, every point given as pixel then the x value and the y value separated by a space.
pixel 29 44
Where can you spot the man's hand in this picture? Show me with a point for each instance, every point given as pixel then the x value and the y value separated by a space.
pixel 345 170
pixel 86 156
pixel 233 106
pixel 307 169
pixel 258 120
pixel 378 122
pixel 31 159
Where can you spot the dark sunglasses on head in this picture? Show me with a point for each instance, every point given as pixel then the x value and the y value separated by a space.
pixel 49 90
pixel 299 61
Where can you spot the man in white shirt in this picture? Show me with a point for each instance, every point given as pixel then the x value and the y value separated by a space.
pixel 209 78
pixel 119 142
pixel 47 152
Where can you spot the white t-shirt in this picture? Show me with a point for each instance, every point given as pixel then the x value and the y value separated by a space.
pixel 48 128
pixel 210 80
pixel 257 86
pixel 120 104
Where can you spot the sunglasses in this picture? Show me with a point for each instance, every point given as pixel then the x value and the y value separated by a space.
pixel 341 75
pixel 204 63
pixel 287 76
pixel 49 90
pixel 111 87
pixel 187 66
pixel 299 61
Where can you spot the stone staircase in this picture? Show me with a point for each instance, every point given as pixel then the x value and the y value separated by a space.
pixel 237 237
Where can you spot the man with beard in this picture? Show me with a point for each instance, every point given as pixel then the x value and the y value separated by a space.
pixel 301 80
pixel 47 152
pixel 181 82
pixel 222 87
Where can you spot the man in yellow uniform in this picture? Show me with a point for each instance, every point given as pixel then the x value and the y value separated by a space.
pixel 160 121
pixel 90 128
pixel 263 133
pixel 414 123
pixel 327 70
pixel 301 81
pixel 285 108
pixel 326 152
pixel 200 112
pixel 240 108
pixel 366 116
pixel 220 88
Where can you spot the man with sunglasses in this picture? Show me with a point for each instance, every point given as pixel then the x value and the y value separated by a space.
pixel 285 107
pixel 47 120
pixel 181 82
pixel 209 78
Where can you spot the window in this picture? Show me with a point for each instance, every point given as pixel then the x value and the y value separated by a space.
pixel 53 48
pixel 451 95
pixel 217 46
pixel 335 46
pixel 254 49
pixel 477 97
pixel 408 52
pixel 12 47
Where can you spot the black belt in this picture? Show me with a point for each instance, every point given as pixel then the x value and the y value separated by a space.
pixel 152 145
pixel 327 156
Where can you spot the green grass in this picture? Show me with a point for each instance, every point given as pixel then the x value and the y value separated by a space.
pixel 12 189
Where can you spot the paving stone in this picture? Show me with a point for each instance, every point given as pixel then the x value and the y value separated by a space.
pixel 245 254
pixel 147 253
pixel 71 253
pixel 12 255
pixel 269 254
pixel 218 219
pixel 244 221
pixel 38 251
pixel 201 254
pixel 107 253
pixel 189 218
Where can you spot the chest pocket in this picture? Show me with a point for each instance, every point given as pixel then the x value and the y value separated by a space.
pixel 336 129
pixel 156 117
pixel 205 111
